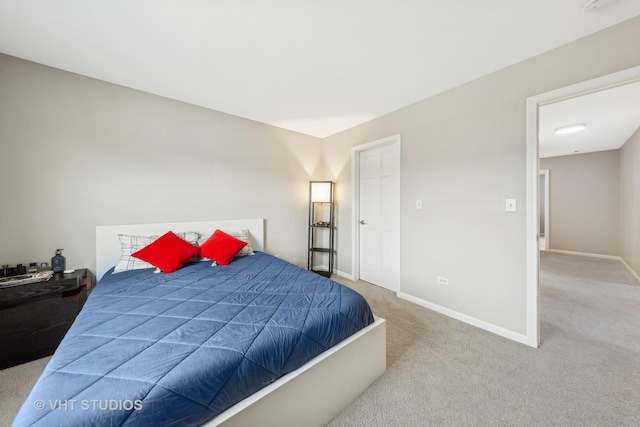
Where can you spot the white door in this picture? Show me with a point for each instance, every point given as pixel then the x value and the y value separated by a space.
pixel 379 216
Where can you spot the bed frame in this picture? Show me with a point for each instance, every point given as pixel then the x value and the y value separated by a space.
pixel 311 395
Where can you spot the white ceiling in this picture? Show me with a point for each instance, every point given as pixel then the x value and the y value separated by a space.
pixel 312 67
pixel 611 117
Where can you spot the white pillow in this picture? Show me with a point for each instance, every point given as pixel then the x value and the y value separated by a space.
pixel 189 236
pixel 243 235
pixel 130 244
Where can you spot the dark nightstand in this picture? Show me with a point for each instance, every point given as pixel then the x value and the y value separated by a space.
pixel 35 317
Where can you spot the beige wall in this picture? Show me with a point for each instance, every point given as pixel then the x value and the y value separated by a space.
pixel 630 202
pixel 584 202
pixel 463 154
pixel 77 152
pixel 123 156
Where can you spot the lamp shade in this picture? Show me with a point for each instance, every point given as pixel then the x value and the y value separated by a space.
pixel 321 191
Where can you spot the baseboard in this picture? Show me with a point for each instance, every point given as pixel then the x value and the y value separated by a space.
pixel 338 272
pixel 587 254
pixel 633 273
pixel 498 330
pixel 345 275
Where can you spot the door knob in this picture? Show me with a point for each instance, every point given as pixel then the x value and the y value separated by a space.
pixel 362 222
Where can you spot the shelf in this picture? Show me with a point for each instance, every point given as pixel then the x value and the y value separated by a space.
pixel 322 273
pixel 320 250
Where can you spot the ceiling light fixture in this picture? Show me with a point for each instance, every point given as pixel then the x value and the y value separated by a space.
pixel 569 129
pixel 594 4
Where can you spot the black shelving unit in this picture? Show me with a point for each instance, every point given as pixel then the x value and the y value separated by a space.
pixel 321 228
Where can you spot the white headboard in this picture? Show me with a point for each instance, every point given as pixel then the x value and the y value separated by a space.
pixel 108 244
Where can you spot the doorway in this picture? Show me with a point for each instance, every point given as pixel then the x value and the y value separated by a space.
pixel 376 212
pixel 533 204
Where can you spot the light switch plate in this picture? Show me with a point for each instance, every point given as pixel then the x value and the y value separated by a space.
pixel 510 205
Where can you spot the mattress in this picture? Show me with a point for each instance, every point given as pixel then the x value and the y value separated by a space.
pixel 180 348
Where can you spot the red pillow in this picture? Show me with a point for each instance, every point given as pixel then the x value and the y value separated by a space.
pixel 168 252
pixel 221 247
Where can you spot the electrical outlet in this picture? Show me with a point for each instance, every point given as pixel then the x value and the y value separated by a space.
pixel 442 280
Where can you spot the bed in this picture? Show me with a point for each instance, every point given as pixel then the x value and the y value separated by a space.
pixel 142 350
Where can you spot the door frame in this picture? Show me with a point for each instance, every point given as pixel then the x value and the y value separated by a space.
pixel 547 230
pixel 356 150
pixel 620 78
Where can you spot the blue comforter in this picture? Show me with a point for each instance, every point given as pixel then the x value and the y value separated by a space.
pixel 178 349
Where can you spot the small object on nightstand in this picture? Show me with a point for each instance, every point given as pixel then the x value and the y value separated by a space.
pixel 68 271
pixel 33 267
pixel 58 262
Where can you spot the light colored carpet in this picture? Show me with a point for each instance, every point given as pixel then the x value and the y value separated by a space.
pixel 15 385
pixel 443 372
